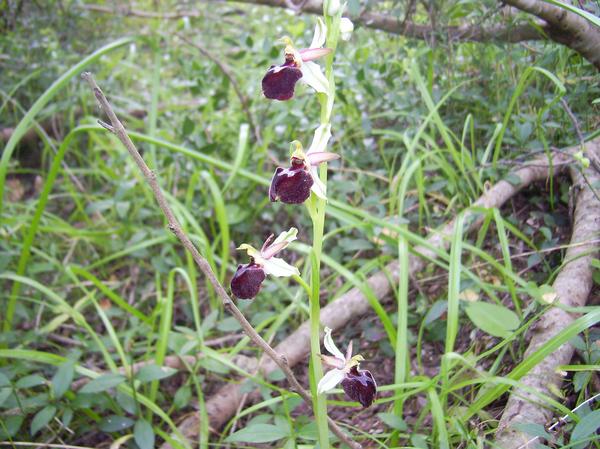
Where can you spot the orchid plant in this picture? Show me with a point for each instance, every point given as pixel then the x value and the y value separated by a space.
pixel 305 181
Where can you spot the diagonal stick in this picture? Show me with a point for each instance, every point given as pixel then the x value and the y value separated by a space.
pixel 118 129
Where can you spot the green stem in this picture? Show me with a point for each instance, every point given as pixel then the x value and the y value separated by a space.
pixel 319 402
pixel 317 213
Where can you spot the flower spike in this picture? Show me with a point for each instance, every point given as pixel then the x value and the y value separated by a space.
pixel 248 278
pixel 358 384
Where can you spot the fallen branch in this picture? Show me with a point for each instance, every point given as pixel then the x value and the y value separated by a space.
pixel 572 286
pixel 565 27
pixel 395 25
pixel 383 22
pixel 223 404
pixel 117 128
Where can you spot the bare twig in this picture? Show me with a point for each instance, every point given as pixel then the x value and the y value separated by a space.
pixel 144 14
pixel 574 120
pixel 202 263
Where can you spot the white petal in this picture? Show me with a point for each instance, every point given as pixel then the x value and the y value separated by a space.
pixel 313 76
pixel 330 380
pixel 278 267
pixel 287 236
pixel 318 187
pixel 346 28
pixel 349 351
pixel 334 7
pixel 318 158
pixel 310 54
pixel 320 34
pixel 280 243
pixel 330 345
pixel 320 139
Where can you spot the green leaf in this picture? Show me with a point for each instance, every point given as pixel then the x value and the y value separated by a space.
pixel 393 421
pixel 103 383
pixel 4 394
pixel 32 380
pixel 494 319
pixel 309 432
pixel 143 434
pixel 42 418
pixel 534 430
pixel 585 427
pixel 67 416
pixel 513 179
pixel 4 381
pixel 154 372
pixel 127 402
pixel 258 433
pixel 115 423
pixel 12 424
pixel 419 441
pixel 188 127
pixel 182 397
pixel 436 310
pixel 61 381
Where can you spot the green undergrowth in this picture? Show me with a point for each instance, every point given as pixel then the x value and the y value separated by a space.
pixel 92 281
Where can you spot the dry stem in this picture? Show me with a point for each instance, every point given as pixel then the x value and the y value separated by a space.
pixel 118 129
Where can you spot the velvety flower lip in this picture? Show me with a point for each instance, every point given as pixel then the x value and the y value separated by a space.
pixel 358 384
pixel 248 278
pixel 293 185
pixel 280 81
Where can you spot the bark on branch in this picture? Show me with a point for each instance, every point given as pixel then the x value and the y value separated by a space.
pixel 565 27
pixel 397 25
pixel 377 21
pixel 353 304
pixel 561 26
pixel 572 287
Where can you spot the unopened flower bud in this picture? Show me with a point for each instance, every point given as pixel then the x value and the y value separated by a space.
pixel 346 28
pixel 334 7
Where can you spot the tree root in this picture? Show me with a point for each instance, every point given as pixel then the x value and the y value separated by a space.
pixel 572 287
pixel 223 404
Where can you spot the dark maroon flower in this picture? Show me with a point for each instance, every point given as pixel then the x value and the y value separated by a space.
pixel 280 81
pixel 246 282
pixel 291 185
pixel 360 386
pixel 248 278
